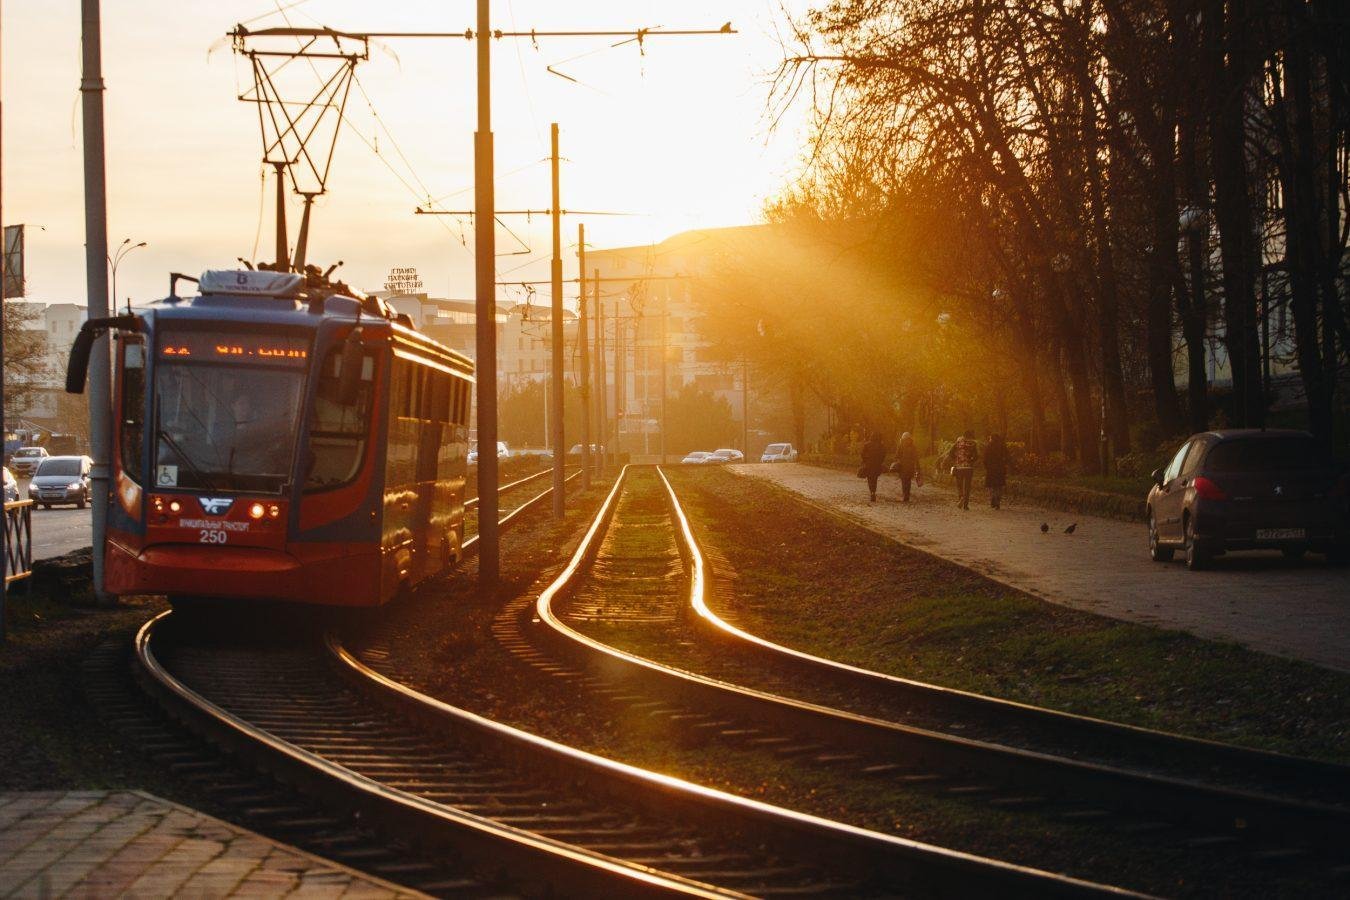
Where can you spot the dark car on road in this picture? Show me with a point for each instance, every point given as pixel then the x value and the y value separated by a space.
pixel 61 479
pixel 1248 490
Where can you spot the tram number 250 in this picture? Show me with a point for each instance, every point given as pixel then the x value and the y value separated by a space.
pixel 212 536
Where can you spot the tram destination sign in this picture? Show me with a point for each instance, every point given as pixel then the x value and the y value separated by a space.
pixel 403 280
pixel 261 349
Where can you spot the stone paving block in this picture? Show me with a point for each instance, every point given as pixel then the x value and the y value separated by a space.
pixel 91 844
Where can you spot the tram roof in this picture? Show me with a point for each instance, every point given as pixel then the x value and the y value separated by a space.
pixel 294 304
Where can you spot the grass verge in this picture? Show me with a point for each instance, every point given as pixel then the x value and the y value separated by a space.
pixel 816 583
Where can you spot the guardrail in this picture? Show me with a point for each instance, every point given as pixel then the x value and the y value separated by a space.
pixel 18 540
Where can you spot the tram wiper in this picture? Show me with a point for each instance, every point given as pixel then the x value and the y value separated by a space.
pixel 173 445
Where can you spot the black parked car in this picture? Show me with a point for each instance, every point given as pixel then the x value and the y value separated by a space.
pixel 1248 490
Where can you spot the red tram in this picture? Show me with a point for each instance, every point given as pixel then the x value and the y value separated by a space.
pixel 276 437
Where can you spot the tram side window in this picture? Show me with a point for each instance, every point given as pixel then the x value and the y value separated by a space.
pixel 440 397
pixel 132 414
pixel 338 432
pixel 459 413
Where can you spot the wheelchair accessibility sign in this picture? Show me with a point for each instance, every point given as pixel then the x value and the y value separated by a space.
pixel 166 476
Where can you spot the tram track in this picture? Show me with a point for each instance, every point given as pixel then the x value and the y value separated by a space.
pixel 855 721
pixel 503 810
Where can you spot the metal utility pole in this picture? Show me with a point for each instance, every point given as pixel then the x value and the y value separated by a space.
pixel 584 365
pixel 601 427
pixel 556 328
pixel 620 386
pixel 283 260
pixel 96 274
pixel 4 517
pixel 485 310
pixel 665 312
pixel 745 405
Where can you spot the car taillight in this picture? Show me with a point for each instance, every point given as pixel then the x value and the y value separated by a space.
pixel 1208 490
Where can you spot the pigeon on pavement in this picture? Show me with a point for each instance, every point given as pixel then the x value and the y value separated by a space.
pixel 1070 529
pixel 1045 526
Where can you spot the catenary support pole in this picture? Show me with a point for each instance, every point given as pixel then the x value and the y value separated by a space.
pixel 665 351
pixel 556 329
pixel 283 260
pixel 584 363
pixel 745 405
pixel 4 519
pixel 96 276
pixel 485 311
pixel 601 374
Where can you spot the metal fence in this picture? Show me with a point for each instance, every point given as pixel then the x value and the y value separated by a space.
pixel 18 540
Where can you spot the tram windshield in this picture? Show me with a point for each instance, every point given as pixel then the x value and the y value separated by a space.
pixel 225 427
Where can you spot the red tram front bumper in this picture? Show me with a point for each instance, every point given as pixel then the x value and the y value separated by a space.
pixel 327 574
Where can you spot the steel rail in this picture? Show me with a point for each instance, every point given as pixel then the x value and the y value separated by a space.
pixel 912 858
pixel 1225 808
pixel 833 842
pixel 472 502
pixel 1320 775
pixel 536 859
pixel 470 545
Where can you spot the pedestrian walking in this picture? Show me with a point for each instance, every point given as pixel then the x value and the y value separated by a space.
pixel 873 463
pixel 906 464
pixel 995 468
pixel 964 454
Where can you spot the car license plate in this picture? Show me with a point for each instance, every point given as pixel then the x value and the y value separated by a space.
pixel 1276 534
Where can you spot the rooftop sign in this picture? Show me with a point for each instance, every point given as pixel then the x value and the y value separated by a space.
pixel 245 281
pixel 403 280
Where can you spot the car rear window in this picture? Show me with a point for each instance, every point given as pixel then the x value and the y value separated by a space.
pixel 1264 455
pixel 775 448
pixel 59 467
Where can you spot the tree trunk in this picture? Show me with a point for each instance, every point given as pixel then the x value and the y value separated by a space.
pixel 1162 272
pixel 1103 256
pixel 1226 55
pixel 1068 444
pixel 1292 113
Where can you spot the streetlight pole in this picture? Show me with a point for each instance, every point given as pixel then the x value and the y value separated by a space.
pixel 123 250
pixel 485 309
pixel 556 330
pixel 96 276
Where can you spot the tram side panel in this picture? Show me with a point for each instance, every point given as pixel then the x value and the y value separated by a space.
pixel 342 466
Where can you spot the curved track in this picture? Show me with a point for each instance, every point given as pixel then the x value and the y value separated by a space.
pixel 856 718
pixel 511 810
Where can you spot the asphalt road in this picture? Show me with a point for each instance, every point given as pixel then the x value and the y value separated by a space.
pixel 60 529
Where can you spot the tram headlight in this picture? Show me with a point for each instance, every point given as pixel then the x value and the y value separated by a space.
pixel 175 506
pixel 256 511
pixel 274 510
pixel 158 503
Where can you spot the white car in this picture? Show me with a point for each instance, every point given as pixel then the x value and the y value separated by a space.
pixel 727 455
pixel 503 451
pixel 26 460
pixel 697 457
pixel 779 453
pixel 11 487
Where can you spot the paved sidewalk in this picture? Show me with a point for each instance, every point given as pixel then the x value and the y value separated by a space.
pixel 128 843
pixel 1300 610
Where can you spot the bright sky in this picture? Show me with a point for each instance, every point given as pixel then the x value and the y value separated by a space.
pixel 678 134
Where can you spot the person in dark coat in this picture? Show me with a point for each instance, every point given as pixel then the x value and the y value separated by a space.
pixel 873 462
pixel 906 464
pixel 995 468
pixel 964 453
